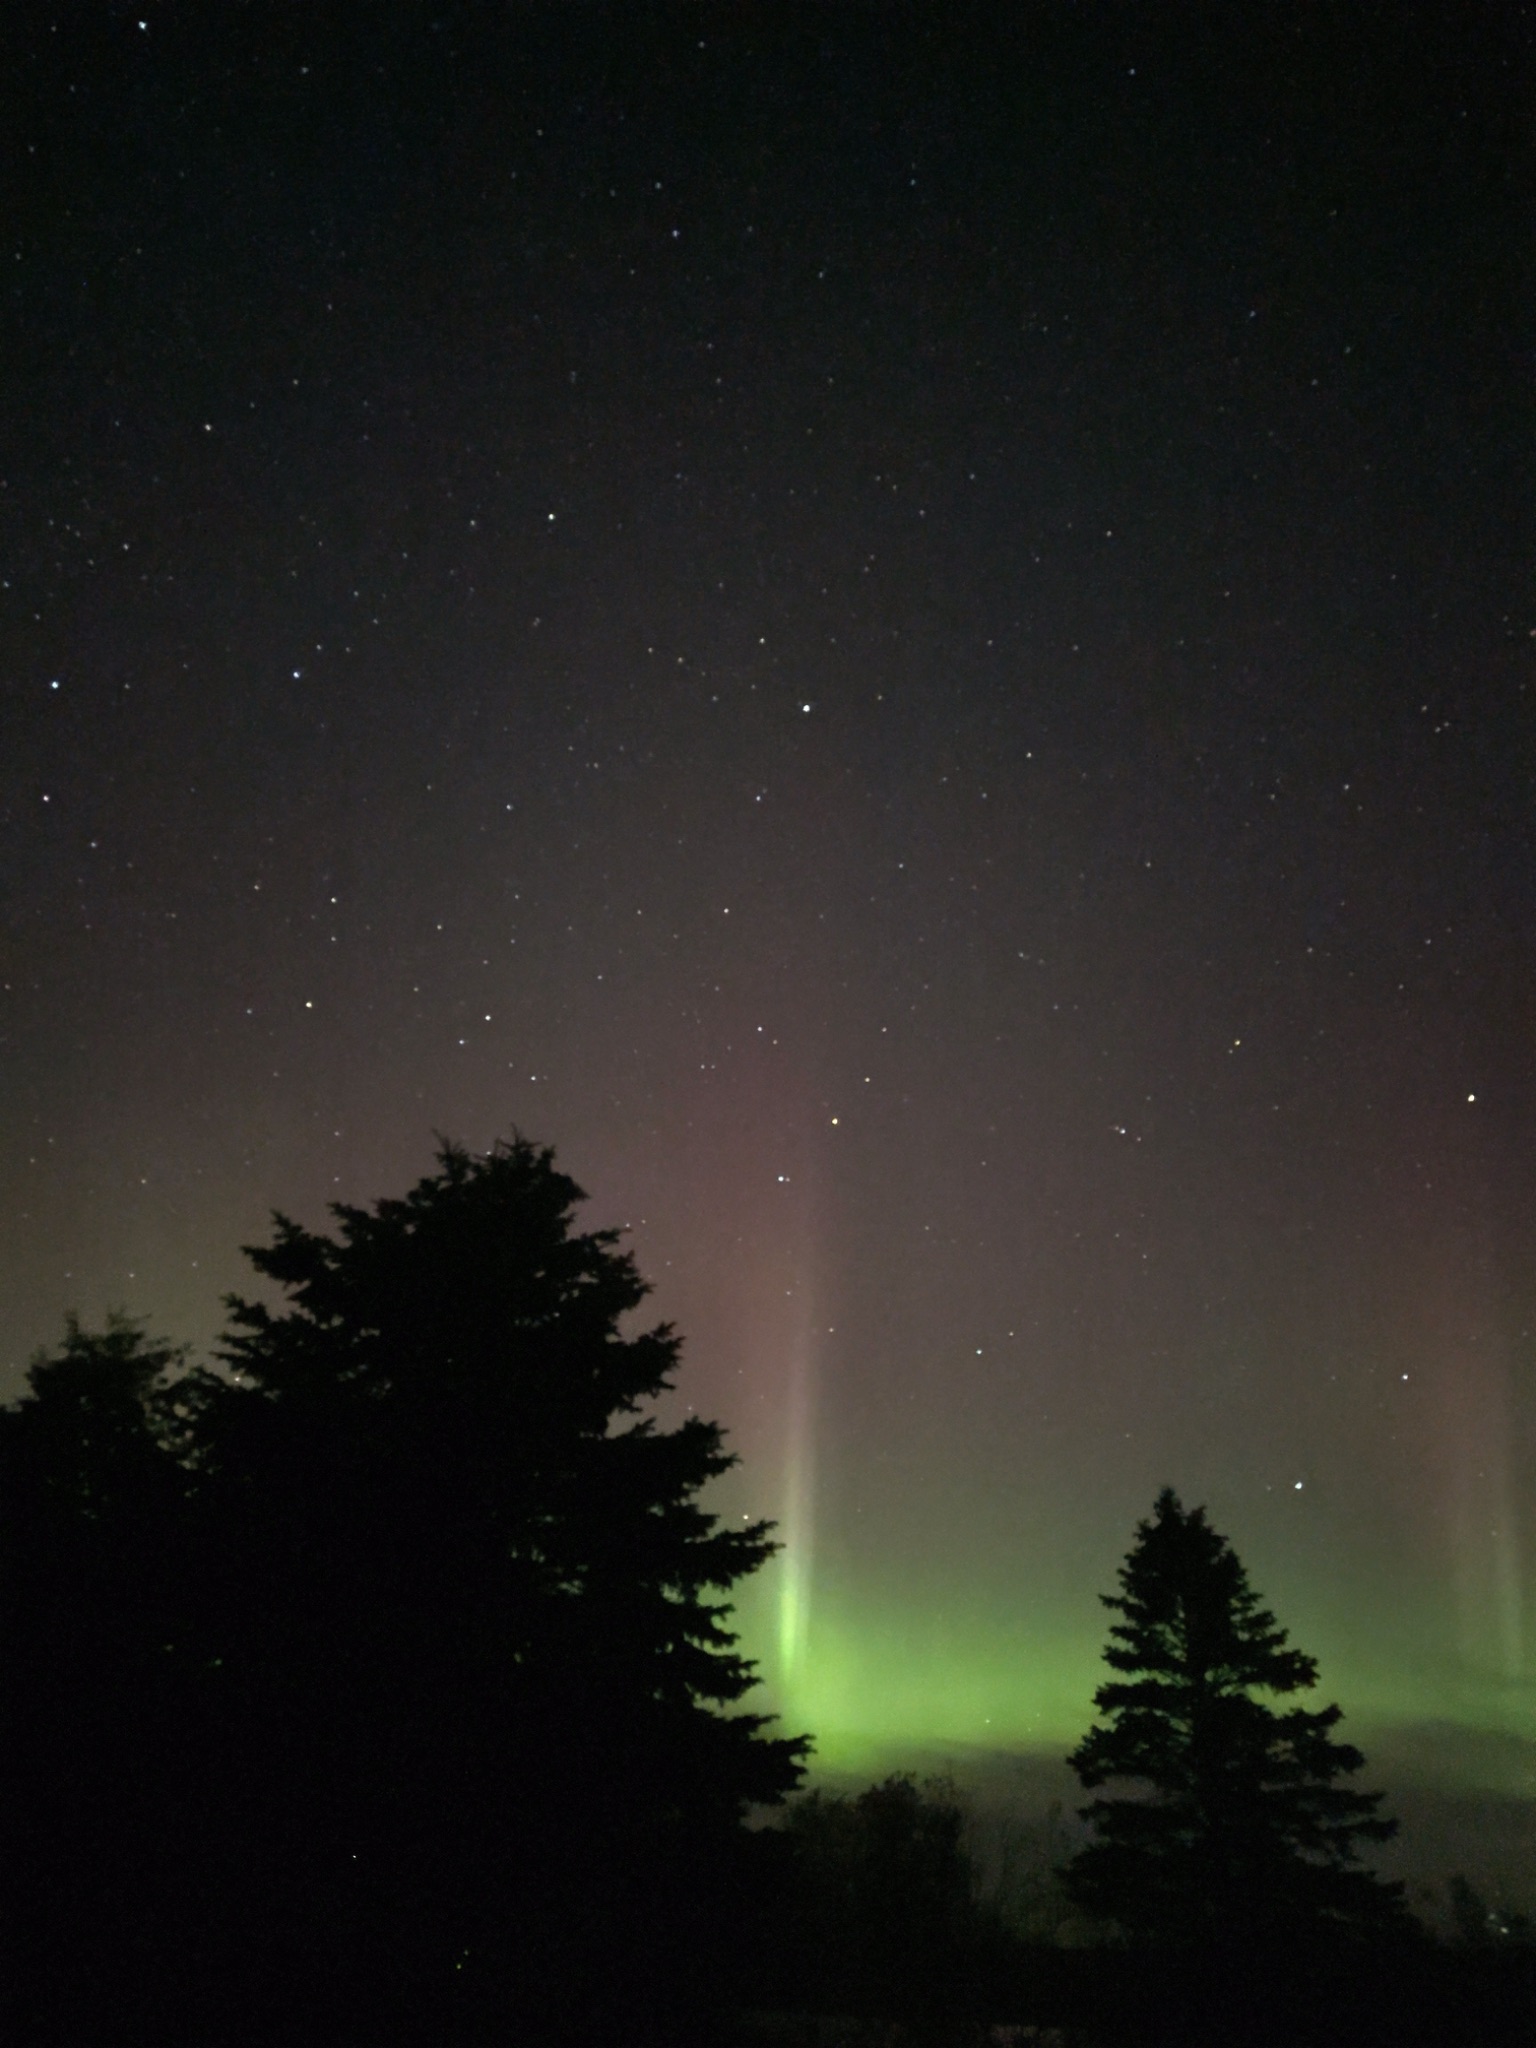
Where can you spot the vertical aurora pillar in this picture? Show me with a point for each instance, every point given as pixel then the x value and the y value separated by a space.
pixel 797 1518
pixel 1461 1340
pixel 1482 1503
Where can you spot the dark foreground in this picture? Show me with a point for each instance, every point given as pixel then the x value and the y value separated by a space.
pixel 1429 1998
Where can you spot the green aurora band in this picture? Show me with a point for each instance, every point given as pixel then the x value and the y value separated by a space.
pixel 885 1683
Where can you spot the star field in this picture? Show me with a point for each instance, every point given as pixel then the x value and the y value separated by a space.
pixel 910 638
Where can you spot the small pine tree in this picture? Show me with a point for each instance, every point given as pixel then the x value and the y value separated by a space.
pixel 1235 1823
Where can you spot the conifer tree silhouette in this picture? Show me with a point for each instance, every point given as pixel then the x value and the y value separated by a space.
pixel 383 1674
pixel 1234 1823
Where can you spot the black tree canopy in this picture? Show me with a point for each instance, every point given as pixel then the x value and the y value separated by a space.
pixel 450 1369
pixel 1234 1821
pixel 393 1656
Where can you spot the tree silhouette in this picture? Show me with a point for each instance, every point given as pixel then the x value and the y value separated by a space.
pixel 494 1577
pixel 1236 1824
pixel 409 1628
pixel 98 1668
pixel 884 1912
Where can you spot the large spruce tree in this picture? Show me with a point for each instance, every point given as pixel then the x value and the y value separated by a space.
pixel 418 1601
pixel 1234 1821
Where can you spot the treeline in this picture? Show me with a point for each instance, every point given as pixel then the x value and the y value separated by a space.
pixel 900 1921
pixel 374 1684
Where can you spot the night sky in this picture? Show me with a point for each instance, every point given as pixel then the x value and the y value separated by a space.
pixel 907 632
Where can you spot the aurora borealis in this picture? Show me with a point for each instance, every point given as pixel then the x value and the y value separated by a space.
pixel 908 636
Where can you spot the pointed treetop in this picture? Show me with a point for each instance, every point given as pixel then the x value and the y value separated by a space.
pixel 1233 1823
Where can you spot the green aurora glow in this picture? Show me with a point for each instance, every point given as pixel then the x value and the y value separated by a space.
pixel 884 1683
